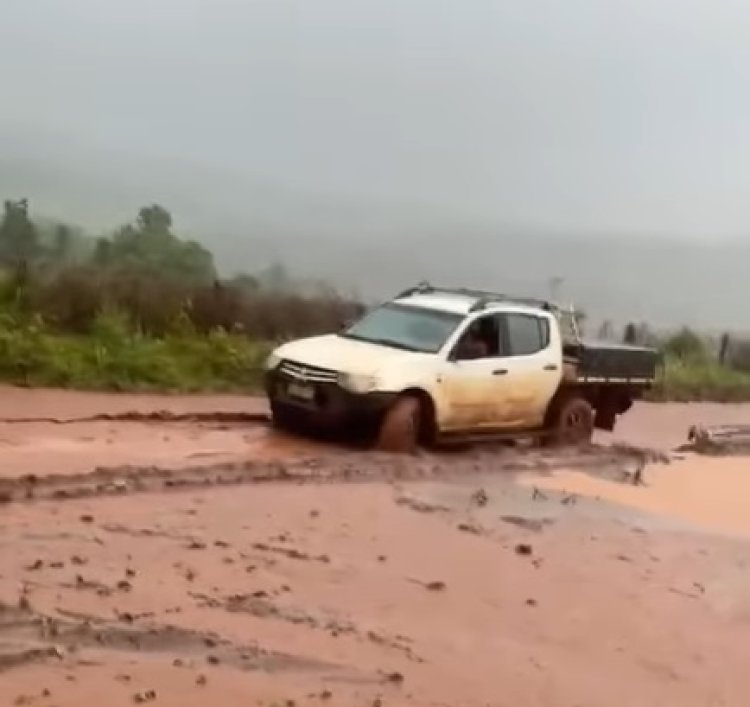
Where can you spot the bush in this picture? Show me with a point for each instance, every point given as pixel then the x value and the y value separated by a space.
pixel 112 357
pixel 686 345
pixel 692 381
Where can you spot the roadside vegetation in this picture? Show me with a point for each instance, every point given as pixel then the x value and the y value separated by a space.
pixel 143 309
pixel 698 369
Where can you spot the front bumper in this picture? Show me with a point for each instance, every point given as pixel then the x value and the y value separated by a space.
pixel 330 406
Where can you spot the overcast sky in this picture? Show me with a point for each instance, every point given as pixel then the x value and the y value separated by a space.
pixel 627 115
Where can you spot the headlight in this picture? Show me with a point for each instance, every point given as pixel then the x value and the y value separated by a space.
pixel 356 383
pixel 272 362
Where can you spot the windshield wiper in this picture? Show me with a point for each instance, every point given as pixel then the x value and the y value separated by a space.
pixel 382 342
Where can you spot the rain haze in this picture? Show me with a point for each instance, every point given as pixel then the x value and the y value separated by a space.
pixel 378 142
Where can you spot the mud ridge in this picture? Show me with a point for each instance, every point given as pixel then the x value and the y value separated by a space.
pixel 156 416
pixel 620 463
pixel 264 608
pixel 29 637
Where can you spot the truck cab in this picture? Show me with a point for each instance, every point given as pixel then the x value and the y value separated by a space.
pixel 438 363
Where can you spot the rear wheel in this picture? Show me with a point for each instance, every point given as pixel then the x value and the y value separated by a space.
pixel 572 422
pixel 399 429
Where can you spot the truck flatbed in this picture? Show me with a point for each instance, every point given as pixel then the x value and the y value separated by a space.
pixel 590 361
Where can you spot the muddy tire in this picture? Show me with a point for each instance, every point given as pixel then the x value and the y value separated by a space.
pixel 281 417
pixel 399 429
pixel 572 422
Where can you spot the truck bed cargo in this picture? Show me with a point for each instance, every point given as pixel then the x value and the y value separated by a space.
pixel 606 362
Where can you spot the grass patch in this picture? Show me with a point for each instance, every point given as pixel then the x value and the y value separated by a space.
pixel 700 380
pixel 114 358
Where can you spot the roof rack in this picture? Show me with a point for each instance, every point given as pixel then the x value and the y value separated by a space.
pixel 483 297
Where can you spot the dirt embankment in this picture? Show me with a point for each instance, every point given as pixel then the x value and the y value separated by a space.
pixel 170 575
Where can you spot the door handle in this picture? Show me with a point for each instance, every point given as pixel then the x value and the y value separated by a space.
pixel 550 367
pixel 500 372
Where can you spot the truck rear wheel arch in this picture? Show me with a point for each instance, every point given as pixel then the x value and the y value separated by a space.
pixel 608 401
pixel 570 418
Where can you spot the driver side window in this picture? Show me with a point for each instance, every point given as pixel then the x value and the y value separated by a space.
pixel 481 339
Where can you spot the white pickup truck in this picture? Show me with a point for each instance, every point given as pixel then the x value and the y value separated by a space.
pixel 439 364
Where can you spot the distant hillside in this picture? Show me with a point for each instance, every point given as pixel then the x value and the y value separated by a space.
pixel 375 248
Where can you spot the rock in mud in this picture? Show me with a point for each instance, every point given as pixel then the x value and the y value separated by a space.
pixel 537 495
pixel 419 506
pixel 534 524
pixel 480 498
pixel 524 549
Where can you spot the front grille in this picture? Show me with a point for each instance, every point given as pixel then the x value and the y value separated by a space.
pixel 307 374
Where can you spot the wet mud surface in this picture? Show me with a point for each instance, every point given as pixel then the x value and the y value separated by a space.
pixel 201 558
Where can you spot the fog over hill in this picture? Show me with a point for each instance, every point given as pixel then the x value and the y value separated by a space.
pixel 376 247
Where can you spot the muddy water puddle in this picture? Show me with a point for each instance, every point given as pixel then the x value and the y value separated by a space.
pixel 708 492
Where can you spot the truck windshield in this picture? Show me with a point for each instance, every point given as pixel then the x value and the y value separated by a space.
pixel 403 327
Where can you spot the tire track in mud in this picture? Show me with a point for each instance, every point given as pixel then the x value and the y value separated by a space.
pixel 618 462
pixel 263 608
pixel 28 637
pixel 156 416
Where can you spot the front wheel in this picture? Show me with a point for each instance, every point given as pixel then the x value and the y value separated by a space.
pixel 399 429
pixel 572 422
pixel 282 418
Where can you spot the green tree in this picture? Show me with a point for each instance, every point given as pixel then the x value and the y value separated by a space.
pixel 63 242
pixel 103 252
pixel 150 245
pixel 19 240
pixel 686 345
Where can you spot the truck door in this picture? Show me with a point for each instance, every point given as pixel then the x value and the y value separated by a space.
pixel 534 365
pixel 472 381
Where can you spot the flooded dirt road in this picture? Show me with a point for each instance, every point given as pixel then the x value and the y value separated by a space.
pixel 205 562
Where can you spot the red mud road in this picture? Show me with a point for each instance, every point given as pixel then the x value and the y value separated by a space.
pixel 196 558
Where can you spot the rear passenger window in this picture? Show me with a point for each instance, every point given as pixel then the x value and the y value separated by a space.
pixel 527 334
